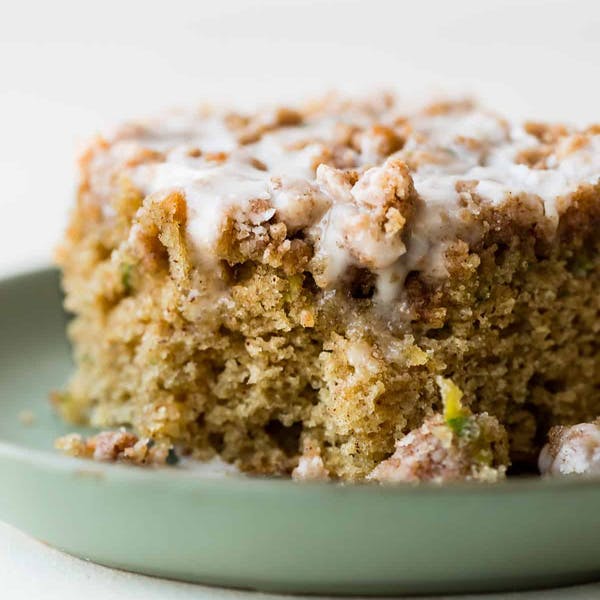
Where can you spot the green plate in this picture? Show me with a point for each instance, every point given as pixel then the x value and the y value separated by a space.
pixel 273 535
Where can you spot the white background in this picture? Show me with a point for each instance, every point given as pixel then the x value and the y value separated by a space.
pixel 69 68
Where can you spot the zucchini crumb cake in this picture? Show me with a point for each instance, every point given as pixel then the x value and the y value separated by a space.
pixel 347 290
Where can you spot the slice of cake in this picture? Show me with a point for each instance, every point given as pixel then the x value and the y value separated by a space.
pixel 287 289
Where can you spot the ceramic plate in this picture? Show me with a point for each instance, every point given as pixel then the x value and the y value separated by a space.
pixel 273 535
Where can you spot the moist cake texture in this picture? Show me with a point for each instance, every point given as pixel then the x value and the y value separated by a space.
pixel 288 288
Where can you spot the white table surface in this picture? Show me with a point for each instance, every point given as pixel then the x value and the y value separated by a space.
pixel 69 67
pixel 30 570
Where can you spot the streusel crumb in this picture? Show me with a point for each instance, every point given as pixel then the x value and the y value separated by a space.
pixel 572 450
pixel 117 446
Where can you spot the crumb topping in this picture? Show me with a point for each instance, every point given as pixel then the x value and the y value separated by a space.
pixel 310 466
pixel 436 452
pixel 454 446
pixel 572 450
pixel 365 184
pixel 118 446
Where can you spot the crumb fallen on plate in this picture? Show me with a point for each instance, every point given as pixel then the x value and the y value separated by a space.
pixel 310 466
pixel 27 417
pixel 572 450
pixel 121 446
pixel 455 446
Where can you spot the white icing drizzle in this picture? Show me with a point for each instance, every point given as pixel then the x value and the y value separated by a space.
pixel 282 169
